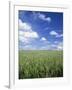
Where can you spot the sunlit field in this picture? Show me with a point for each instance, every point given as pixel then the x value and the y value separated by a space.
pixel 40 64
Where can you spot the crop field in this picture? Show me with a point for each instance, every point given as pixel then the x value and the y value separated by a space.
pixel 40 64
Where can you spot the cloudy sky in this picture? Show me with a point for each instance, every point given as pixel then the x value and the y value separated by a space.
pixel 40 30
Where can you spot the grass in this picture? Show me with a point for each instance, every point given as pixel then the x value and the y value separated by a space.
pixel 40 64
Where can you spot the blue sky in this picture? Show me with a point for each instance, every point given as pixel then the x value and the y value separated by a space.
pixel 40 30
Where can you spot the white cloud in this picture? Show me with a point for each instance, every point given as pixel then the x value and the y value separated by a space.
pixel 48 19
pixel 24 40
pixel 50 47
pixel 24 26
pixel 56 46
pixel 29 47
pixel 43 39
pixel 21 33
pixel 53 33
pixel 26 34
pixel 60 46
pixel 31 34
pixel 59 35
pixel 55 42
pixel 56 34
pixel 43 17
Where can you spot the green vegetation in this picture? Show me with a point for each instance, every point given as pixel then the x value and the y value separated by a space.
pixel 40 64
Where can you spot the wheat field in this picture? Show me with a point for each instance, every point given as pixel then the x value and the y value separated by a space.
pixel 40 64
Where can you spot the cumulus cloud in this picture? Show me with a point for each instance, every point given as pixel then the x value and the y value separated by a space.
pixel 54 33
pixel 57 46
pixel 43 17
pixel 59 35
pixel 50 47
pixel 24 40
pixel 31 34
pixel 60 46
pixel 43 39
pixel 24 26
pixel 29 47
pixel 26 34
pixel 55 42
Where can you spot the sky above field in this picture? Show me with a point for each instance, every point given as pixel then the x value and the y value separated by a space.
pixel 40 30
